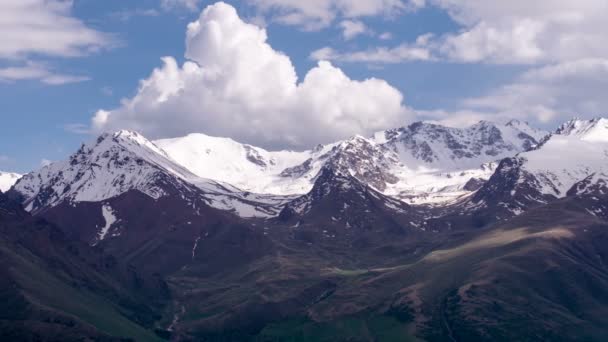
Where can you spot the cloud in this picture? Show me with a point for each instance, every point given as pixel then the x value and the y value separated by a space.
pixel 458 118
pixel 386 36
pixel 550 93
pixel 38 72
pixel 77 128
pixel 519 31
pixel 31 29
pixel 405 52
pixel 191 5
pixel 545 96
pixel 515 44
pixel 353 28
pixel 235 84
pixel 511 32
pixel 561 42
pixel 318 14
pixel 128 14
pixel 45 27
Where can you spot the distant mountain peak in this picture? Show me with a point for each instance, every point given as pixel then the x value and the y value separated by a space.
pixel 591 130
pixel 430 144
pixel 125 161
pixel 573 161
pixel 113 164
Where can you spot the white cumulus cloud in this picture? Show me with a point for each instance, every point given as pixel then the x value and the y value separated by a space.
pixel 235 84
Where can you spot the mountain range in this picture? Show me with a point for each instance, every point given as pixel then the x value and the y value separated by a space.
pixel 421 232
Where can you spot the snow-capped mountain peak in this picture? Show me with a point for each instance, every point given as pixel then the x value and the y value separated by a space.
pixel 116 163
pixel 577 150
pixel 525 128
pixel 132 138
pixel 589 130
pixel 365 160
pixel 111 165
pixel 404 162
pixel 420 163
pixel 425 144
pixel 572 161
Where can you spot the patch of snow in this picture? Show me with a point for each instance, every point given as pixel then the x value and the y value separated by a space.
pixel 109 218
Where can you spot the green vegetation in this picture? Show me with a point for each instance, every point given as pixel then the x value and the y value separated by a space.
pixel 51 292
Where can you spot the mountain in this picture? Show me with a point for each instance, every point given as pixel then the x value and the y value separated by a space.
pixel 99 194
pixel 280 173
pixel 54 288
pixel 190 185
pixel 473 285
pixel 7 180
pixel 421 163
pixel 243 166
pixel 126 161
pixel 347 205
pixel 442 164
pixel 479 287
pixel 571 161
pixel 422 232
pixel 435 146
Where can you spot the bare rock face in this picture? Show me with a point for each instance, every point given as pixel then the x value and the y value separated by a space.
pixel 256 158
pixel 474 184
pixel 483 142
pixel 298 171
pixel 363 159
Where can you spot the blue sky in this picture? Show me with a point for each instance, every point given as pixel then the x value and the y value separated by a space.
pixel 452 61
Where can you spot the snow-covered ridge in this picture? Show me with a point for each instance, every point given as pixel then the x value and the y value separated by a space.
pixel 243 166
pixel 123 161
pixel 571 161
pixel 434 146
pixel 420 163
pixel 588 130
pixel 7 180
pixel 113 164
pixel 577 150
